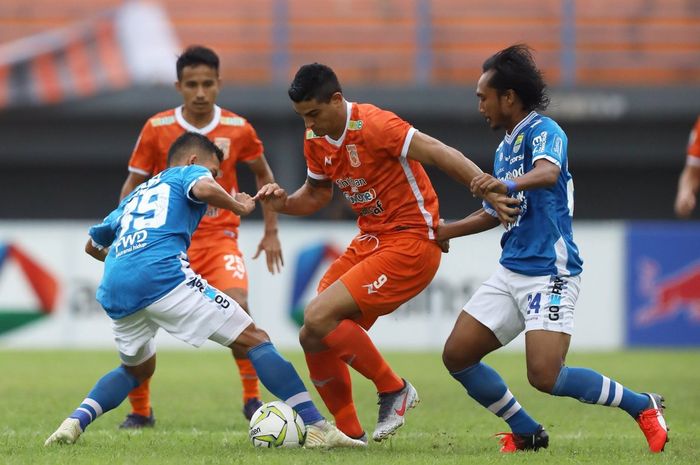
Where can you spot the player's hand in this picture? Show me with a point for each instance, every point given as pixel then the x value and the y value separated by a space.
pixel 484 183
pixel 245 203
pixel 270 244
pixel 272 196
pixel 443 243
pixel 506 207
pixel 685 203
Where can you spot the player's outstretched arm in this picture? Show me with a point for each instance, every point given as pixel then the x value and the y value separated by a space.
pixel 308 199
pixel 688 187
pixel 430 151
pixel 95 252
pixel 209 191
pixel 475 223
pixel 270 243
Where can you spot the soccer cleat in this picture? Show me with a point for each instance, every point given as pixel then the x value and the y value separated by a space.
pixel 511 442
pixel 136 421
pixel 67 433
pixel 653 424
pixel 325 434
pixel 392 408
pixel 251 406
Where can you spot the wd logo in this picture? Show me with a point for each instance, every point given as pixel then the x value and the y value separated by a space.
pixel 131 242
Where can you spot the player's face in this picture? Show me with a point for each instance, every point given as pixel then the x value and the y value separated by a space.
pixel 324 119
pixel 491 103
pixel 199 86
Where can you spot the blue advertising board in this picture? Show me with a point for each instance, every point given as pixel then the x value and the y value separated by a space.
pixel 663 284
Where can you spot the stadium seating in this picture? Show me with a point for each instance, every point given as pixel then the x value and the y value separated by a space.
pixel 406 42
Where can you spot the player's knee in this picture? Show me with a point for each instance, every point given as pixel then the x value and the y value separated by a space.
pixel 141 372
pixel 455 358
pixel 542 378
pixel 315 320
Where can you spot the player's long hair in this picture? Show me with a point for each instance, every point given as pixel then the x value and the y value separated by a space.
pixel 514 68
pixel 193 142
pixel 314 82
pixel 195 55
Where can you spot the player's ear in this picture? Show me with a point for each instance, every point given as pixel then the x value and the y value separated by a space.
pixel 337 98
pixel 192 159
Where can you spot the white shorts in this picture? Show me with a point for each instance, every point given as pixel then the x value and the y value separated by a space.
pixel 192 312
pixel 508 303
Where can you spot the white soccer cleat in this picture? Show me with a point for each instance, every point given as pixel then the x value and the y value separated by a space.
pixel 327 435
pixel 392 408
pixel 67 433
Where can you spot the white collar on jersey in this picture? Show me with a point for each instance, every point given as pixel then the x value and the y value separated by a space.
pixel 339 142
pixel 206 129
pixel 518 127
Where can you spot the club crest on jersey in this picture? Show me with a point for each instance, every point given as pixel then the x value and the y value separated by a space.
pixel 353 155
pixel 518 142
pixel 224 143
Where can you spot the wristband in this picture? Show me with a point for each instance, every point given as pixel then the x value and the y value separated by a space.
pixel 510 186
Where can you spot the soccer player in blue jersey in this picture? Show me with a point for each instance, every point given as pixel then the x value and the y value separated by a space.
pixel 537 283
pixel 148 284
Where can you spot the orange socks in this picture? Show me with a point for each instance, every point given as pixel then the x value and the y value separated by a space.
pixel 354 346
pixel 331 377
pixel 140 398
pixel 249 379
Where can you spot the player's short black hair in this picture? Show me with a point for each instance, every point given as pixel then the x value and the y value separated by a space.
pixel 197 55
pixel 514 68
pixel 193 142
pixel 314 82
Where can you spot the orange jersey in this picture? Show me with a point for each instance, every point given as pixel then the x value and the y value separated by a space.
pixel 230 132
pixel 694 145
pixel 387 190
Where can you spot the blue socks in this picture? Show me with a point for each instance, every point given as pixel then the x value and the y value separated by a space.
pixel 487 387
pixel 593 388
pixel 282 380
pixel 107 394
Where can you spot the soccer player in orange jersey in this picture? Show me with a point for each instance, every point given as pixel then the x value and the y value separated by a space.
pixel 689 182
pixel 214 250
pixel 375 158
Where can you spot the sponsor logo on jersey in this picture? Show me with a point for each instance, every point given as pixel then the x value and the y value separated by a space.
pixel 353 183
pixel 328 160
pixel 130 242
pixel 539 142
pixel 376 209
pixel 517 158
pixel 224 143
pixel 354 125
pixel 518 142
pixel 558 145
pixel 360 197
pixel 353 155
pixel 162 121
pixel 232 121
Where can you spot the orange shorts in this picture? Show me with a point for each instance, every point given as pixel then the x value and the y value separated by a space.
pixel 220 263
pixel 384 271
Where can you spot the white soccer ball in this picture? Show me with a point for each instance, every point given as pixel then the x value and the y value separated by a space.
pixel 276 424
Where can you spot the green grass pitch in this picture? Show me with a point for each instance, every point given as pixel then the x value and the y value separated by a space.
pixel 197 404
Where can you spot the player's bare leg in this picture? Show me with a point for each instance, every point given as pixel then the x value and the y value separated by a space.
pixel 330 330
pixel 546 353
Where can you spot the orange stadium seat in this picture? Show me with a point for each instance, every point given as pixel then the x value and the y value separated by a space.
pixel 640 42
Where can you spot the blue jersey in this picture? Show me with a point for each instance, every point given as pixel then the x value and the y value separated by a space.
pixel 541 241
pixel 148 235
